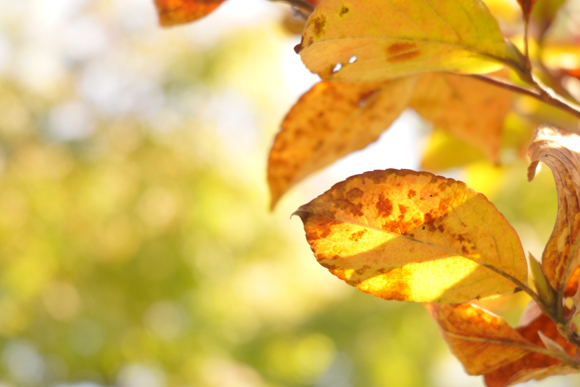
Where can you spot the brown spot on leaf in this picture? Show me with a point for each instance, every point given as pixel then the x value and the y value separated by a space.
pixel 429 217
pixel 319 25
pixel 384 206
pixel 403 209
pixel 343 11
pixel 354 193
pixel 391 226
pixel 464 250
pixel 400 47
pixel 362 270
pixel 355 237
pixel 441 228
pixel 411 193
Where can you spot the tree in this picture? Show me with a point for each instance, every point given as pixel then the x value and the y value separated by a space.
pixel 416 236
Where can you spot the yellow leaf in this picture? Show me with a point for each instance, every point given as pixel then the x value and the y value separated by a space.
pixel 560 150
pixel 471 110
pixel 330 121
pixel 414 236
pixel 175 12
pixel 480 340
pixel 374 40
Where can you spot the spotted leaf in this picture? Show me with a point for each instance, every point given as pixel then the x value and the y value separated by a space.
pixel 414 236
pixel 394 38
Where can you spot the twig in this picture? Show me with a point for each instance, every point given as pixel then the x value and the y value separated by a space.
pixel 541 93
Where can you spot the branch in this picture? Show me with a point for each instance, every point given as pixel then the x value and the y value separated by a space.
pixel 541 93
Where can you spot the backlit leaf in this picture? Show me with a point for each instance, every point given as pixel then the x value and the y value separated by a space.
pixel 471 110
pixel 534 365
pixel 374 40
pixel 414 236
pixel 175 12
pixel 330 121
pixel 559 149
pixel 480 340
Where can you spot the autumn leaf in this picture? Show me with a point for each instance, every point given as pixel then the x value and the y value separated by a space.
pixel 469 109
pixel 175 12
pixel 559 149
pixel 480 340
pixel 538 331
pixel 330 121
pixel 414 236
pixel 374 40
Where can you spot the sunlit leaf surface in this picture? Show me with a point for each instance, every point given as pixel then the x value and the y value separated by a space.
pixel 330 121
pixel 390 39
pixel 414 236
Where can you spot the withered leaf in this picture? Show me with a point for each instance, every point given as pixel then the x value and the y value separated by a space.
pixel 330 121
pixel 560 150
pixel 469 109
pixel 480 340
pixel 374 40
pixel 534 365
pixel 176 12
pixel 414 236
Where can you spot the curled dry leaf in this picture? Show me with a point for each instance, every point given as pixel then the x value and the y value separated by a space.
pixel 559 149
pixel 535 365
pixel 414 236
pixel 480 340
pixel 374 40
pixel 175 12
pixel 471 110
pixel 330 121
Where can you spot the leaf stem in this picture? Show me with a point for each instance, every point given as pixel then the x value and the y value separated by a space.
pixel 541 92
pixel 529 347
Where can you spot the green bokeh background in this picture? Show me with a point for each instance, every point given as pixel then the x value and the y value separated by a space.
pixel 136 248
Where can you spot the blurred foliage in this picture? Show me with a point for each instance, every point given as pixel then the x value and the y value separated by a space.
pixel 136 249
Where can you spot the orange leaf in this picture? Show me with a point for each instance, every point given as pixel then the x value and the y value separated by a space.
pixel 414 236
pixel 560 150
pixel 175 12
pixel 330 121
pixel 471 110
pixel 480 340
pixel 534 365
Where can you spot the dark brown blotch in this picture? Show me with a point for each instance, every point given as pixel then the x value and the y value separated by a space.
pixel 464 250
pixel 400 47
pixel 319 25
pixel 343 11
pixel 411 193
pixel 384 206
